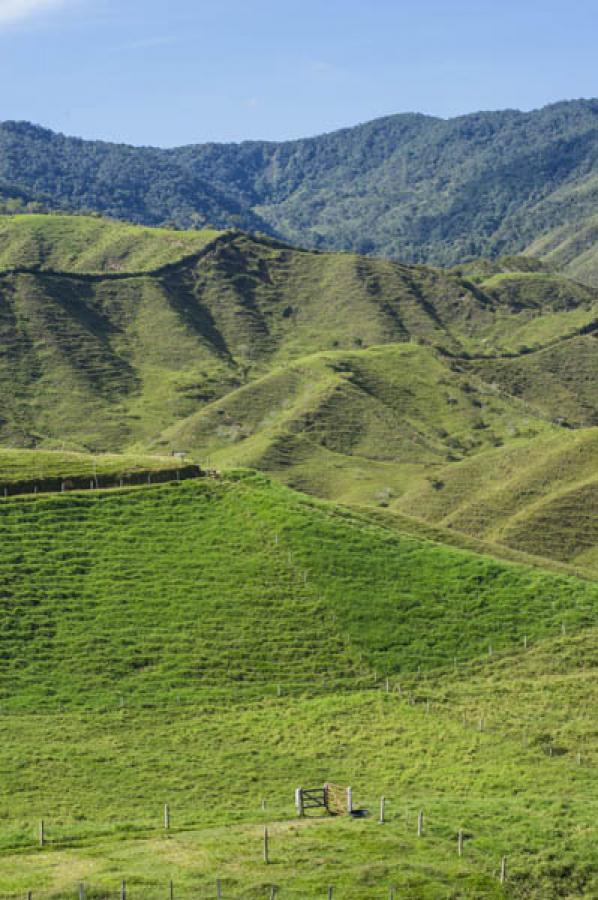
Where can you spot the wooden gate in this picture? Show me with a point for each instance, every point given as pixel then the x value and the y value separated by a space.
pixel 331 798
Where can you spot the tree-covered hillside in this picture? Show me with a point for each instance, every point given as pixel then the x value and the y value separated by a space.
pixel 409 186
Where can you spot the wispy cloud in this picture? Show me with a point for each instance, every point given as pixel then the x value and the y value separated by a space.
pixel 14 11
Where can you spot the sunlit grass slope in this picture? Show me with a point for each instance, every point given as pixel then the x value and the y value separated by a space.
pixel 571 249
pixel 214 643
pixel 539 496
pixel 559 381
pixel 84 244
pixel 19 468
pixel 390 410
pixel 242 584
pixel 112 333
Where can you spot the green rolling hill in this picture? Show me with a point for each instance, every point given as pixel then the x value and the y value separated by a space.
pixel 351 378
pixel 216 643
pixel 92 246
pixel 417 619
pixel 108 359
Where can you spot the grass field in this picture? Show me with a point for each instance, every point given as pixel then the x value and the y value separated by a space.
pixel 214 644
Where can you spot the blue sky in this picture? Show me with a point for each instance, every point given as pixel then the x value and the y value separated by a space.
pixel 170 72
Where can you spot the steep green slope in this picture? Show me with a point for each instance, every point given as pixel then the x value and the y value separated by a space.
pixel 571 248
pixel 347 377
pixel 558 381
pixel 539 497
pixel 109 360
pixel 213 644
pixel 93 583
pixel 409 186
pixel 400 405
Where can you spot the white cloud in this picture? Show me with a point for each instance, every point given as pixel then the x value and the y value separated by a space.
pixel 12 11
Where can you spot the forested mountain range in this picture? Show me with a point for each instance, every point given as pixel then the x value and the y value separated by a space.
pixel 408 186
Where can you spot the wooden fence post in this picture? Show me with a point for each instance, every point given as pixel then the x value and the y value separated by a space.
pixel 349 800
pixel 218 889
pixel 503 870
pixel 460 843
pixel 42 833
pixel 266 846
pixel 420 823
pixel 123 890
pixel 381 810
pixel 330 892
pixel 299 801
pixel 171 890
pixel 81 891
pixel 166 816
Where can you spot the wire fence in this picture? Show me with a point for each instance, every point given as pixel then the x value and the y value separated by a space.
pixel 101 481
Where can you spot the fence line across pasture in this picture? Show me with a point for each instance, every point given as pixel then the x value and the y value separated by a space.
pixel 95 482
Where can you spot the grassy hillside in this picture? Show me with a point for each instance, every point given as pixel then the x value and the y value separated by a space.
pixel 412 187
pixel 538 496
pixel 401 406
pixel 571 248
pixel 89 245
pixel 213 644
pixel 347 377
pixel 23 471
pixel 94 602
pixel 558 381
pixel 108 363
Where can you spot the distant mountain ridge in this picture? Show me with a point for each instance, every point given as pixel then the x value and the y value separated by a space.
pixel 408 186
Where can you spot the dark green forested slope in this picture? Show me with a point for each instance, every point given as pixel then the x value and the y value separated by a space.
pixel 409 186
